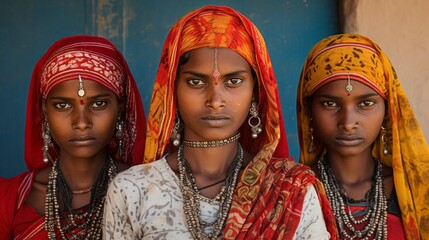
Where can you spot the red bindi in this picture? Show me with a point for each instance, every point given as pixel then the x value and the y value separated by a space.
pixel 82 102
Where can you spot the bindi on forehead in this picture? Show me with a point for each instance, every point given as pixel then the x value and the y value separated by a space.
pixel 349 87
pixel 216 72
pixel 81 91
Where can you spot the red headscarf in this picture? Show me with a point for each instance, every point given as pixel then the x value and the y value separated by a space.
pixel 93 58
pixel 270 193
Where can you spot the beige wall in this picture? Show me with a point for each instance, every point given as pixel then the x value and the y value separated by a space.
pixel 400 27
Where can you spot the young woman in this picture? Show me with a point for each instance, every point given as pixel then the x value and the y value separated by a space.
pixel 84 120
pixel 226 172
pixel 359 133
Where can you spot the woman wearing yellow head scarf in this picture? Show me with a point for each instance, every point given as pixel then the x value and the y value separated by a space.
pixel 358 131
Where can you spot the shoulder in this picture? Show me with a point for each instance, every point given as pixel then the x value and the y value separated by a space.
pixel 141 175
pixel 291 168
pixel 13 192
pixel 11 185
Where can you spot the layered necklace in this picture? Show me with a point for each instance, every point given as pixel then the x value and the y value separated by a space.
pixel 61 217
pixel 375 213
pixel 192 197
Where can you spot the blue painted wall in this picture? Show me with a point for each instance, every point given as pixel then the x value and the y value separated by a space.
pixel 139 28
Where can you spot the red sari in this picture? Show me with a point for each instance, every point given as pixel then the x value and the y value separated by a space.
pixel 21 221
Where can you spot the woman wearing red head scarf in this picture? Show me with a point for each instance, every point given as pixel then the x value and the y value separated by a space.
pixel 215 124
pixel 85 123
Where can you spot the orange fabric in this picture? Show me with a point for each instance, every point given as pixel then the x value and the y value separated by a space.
pixel 269 195
pixel 343 55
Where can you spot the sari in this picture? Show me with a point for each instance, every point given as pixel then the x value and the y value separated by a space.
pixel 96 59
pixel 269 195
pixel 359 57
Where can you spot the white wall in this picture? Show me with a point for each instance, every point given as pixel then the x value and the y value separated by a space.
pixel 400 27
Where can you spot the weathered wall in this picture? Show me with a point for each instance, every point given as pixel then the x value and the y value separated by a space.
pixel 138 28
pixel 400 29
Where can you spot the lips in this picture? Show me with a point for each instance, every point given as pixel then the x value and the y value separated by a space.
pixel 215 120
pixel 348 140
pixel 82 140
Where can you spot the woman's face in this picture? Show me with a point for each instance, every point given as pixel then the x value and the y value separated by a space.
pixel 81 126
pixel 347 124
pixel 213 108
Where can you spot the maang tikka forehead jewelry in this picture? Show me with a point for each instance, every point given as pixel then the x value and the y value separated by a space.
pixel 80 90
pixel 216 72
pixel 349 86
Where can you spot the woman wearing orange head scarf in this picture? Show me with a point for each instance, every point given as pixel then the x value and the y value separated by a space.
pixel 85 122
pixel 356 123
pixel 215 125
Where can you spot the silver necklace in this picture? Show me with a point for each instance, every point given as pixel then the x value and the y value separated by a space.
pixel 207 144
pixel 192 197
pixel 376 212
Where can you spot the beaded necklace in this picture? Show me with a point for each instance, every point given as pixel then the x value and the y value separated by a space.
pixel 209 144
pixel 59 214
pixel 375 213
pixel 192 197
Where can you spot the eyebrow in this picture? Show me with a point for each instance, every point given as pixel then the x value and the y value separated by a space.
pixel 72 99
pixel 368 95
pixel 202 75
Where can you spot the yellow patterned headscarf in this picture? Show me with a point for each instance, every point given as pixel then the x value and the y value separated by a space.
pixel 344 55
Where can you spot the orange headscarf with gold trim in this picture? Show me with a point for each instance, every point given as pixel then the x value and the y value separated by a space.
pixel 343 55
pixel 269 195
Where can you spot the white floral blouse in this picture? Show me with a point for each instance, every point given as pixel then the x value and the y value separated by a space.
pixel 145 202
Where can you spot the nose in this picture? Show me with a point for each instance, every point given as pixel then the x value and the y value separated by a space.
pixel 215 96
pixel 81 119
pixel 348 120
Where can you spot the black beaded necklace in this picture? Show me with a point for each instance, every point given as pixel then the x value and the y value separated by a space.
pixel 59 214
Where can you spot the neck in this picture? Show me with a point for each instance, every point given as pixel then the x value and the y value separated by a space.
pixel 351 170
pixel 212 163
pixel 81 173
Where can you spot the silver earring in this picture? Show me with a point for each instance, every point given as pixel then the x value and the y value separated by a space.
pixel 257 127
pixel 46 136
pixel 386 140
pixel 311 144
pixel 175 134
pixel 119 135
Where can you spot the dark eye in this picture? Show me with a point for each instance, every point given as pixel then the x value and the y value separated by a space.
pixel 98 104
pixel 329 104
pixel 367 103
pixel 62 105
pixel 195 82
pixel 233 81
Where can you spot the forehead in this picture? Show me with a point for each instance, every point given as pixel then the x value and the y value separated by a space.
pixel 70 88
pixel 225 57
pixel 338 88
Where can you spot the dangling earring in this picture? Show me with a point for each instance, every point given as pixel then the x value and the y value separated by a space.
pixel 386 140
pixel 119 135
pixel 46 136
pixel 175 134
pixel 256 128
pixel 311 144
